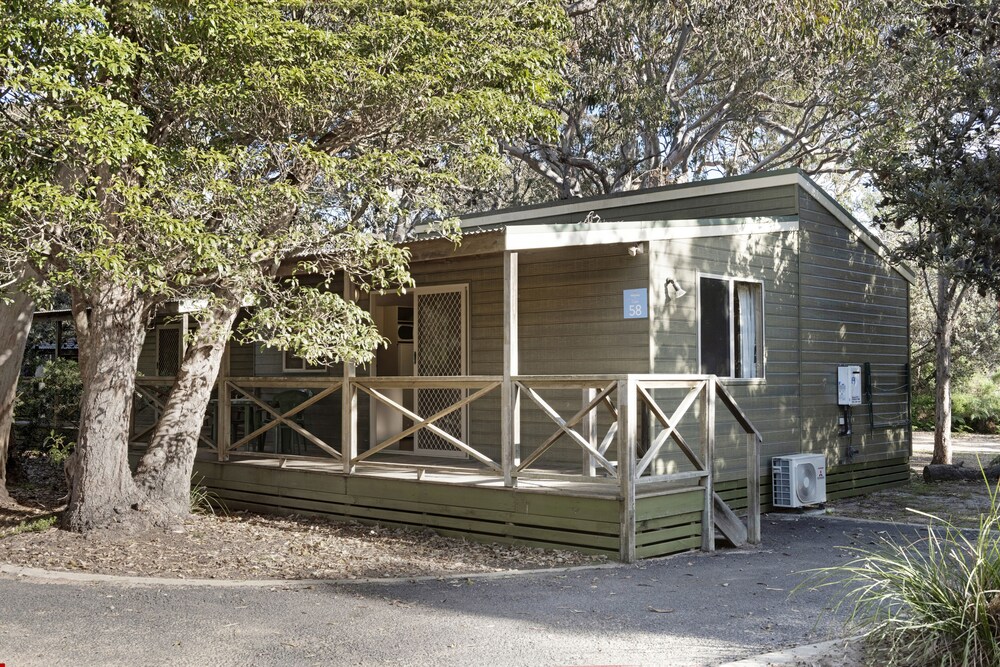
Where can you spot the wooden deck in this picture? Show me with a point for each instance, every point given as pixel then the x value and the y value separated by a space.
pixel 614 501
pixel 546 513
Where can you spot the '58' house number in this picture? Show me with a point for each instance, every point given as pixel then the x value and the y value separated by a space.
pixel 636 304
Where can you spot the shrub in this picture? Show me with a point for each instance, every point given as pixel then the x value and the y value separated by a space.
pixel 922 411
pixel 934 601
pixel 50 402
pixel 975 406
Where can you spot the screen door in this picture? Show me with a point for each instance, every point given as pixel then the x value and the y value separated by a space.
pixel 440 318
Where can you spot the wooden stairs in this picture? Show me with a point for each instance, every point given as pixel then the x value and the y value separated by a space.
pixel 728 525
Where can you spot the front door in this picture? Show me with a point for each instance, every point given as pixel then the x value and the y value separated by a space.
pixel 440 319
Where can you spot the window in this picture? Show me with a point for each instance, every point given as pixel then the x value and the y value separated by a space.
pixel 293 364
pixel 169 350
pixel 731 327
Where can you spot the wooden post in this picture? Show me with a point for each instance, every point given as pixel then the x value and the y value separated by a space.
pixel 510 398
pixel 708 457
pixel 588 429
pixel 59 338
pixel 626 467
pixel 224 412
pixel 349 403
pixel 185 324
pixel 753 488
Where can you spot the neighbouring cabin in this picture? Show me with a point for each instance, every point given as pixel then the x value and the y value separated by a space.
pixel 610 374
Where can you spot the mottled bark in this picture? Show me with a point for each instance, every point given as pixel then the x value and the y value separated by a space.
pixel 102 491
pixel 15 322
pixel 947 305
pixel 164 473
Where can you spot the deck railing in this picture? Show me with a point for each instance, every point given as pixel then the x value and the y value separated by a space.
pixel 612 458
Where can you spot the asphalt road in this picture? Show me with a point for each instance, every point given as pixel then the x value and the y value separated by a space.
pixel 695 609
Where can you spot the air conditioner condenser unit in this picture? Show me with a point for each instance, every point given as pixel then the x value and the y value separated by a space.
pixel 798 479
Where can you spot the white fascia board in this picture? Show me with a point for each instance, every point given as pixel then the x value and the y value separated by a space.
pixel 536 237
pixel 184 306
pixel 860 231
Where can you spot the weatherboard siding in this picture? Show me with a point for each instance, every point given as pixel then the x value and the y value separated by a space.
pixel 854 310
pixel 772 404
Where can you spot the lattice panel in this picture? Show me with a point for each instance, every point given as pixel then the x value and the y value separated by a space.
pixel 168 360
pixel 439 342
pixel 430 401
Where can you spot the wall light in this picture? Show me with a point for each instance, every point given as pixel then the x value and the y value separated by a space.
pixel 678 290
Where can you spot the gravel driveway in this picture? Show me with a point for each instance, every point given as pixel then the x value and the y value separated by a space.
pixel 693 609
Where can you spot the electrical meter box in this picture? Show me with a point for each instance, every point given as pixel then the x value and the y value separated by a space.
pixel 849 385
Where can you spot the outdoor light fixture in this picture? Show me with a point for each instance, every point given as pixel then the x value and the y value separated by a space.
pixel 635 250
pixel 678 290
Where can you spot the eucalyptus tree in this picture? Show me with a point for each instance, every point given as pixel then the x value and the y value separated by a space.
pixel 214 152
pixel 937 165
pixel 666 91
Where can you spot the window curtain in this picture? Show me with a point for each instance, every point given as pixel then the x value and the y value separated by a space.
pixel 748 330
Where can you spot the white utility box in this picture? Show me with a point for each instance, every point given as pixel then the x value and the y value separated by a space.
pixel 798 479
pixel 849 385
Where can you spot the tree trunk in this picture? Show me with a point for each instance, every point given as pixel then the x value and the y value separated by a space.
pixel 943 333
pixel 949 473
pixel 15 322
pixel 164 473
pixel 102 491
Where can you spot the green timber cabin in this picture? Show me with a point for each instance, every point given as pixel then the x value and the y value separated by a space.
pixel 561 378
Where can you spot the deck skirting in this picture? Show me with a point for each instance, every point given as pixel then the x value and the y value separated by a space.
pixel 665 523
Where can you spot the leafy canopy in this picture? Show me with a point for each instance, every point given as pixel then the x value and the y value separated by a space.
pixel 939 173
pixel 186 149
pixel 673 90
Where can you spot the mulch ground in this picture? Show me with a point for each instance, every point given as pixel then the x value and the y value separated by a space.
pixel 240 545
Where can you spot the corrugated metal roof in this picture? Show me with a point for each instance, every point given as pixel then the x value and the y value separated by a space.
pixel 471 231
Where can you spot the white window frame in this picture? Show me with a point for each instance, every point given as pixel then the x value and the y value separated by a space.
pixel 731 282
pixel 306 367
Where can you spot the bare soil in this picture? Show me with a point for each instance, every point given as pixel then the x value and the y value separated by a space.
pixel 960 503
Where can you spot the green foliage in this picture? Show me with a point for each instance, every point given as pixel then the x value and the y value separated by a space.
pixel 922 411
pixel 36 526
pixel 938 172
pixel 58 448
pixel 50 399
pixel 677 90
pixel 935 601
pixel 975 347
pixel 167 150
pixel 975 404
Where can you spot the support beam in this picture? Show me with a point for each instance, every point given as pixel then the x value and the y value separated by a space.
pixel 224 410
pixel 754 443
pixel 627 422
pixel 708 456
pixel 349 402
pixel 588 429
pixel 510 398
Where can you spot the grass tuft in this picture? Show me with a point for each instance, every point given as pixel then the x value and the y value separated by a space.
pixel 204 501
pixel 36 526
pixel 932 601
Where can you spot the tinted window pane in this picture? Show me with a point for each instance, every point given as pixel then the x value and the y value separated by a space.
pixel 715 327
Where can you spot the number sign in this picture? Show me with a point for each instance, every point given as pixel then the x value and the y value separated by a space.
pixel 636 304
